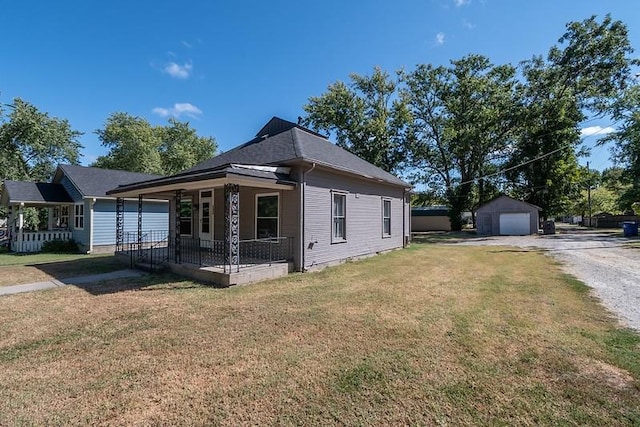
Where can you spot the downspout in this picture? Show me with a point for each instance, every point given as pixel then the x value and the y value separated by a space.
pixel 302 216
pixel 404 218
pixel 91 203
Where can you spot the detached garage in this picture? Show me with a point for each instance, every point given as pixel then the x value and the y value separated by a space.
pixel 506 216
pixel 430 218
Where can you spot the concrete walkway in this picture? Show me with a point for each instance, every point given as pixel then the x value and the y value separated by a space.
pixel 80 280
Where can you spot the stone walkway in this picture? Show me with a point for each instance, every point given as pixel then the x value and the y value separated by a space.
pixel 80 280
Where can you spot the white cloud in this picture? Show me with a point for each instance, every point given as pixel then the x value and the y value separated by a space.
pixel 468 24
pixel 178 71
pixel 440 39
pixel 186 44
pixel 459 3
pixel 179 109
pixel 595 130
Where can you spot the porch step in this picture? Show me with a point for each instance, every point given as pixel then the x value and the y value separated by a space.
pixel 155 268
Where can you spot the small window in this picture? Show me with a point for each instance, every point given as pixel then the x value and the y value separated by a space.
pixel 186 210
pixel 78 217
pixel 267 216
pixel 61 217
pixel 339 217
pixel 386 217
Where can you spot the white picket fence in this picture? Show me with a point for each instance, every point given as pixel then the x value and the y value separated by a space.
pixel 32 240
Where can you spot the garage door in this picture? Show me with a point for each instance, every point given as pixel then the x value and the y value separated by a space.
pixel 514 224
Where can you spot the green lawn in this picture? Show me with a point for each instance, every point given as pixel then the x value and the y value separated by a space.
pixel 432 335
pixel 19 269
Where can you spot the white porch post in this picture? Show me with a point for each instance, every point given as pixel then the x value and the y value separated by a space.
pixel 50 221
pixel 90 225
pixel 20 227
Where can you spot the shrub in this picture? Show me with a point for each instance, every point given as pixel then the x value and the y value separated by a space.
pixel 60 246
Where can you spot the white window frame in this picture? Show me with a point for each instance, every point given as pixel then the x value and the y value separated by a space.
pixel 334 238
pixel 60 213
pixel 384 232
pixel 200 216
pixel 190 200
pixel 255 224
pixel 78 218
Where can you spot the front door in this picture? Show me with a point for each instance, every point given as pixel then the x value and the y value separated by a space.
pixel 206 215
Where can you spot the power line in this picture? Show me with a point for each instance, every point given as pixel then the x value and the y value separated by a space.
pixel 542 156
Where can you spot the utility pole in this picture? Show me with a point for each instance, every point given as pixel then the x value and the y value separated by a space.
pixel 589 194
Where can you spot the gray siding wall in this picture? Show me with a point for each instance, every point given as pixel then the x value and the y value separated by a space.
pixel 363 218
pixel 488 216
pixel 154 217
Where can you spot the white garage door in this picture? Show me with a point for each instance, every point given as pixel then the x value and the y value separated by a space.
pixel 514 224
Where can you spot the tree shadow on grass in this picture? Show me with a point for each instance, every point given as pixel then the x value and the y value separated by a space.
pixel 79 267
pixel 146 282
pixel 445 236
pixel 518 250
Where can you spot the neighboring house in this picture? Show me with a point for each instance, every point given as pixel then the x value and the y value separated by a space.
pixel 78 208
pixel 287 195
pixel 430 218
pixel 506 216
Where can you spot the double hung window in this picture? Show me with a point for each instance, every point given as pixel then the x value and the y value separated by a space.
pixel 267 215
pixel 338 217
pixel 386 217
pixel 78 217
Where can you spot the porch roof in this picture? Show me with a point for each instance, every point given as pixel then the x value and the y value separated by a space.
pixel 233 174
pixel 36 193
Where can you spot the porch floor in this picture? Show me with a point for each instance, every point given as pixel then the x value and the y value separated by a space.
pixel 210 270
pixel 249 273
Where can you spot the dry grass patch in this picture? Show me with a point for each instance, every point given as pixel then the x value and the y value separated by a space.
pixel 19 269
pixel 430 335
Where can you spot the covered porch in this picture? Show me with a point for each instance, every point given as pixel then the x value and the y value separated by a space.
pixel 56 211
pixel 233 226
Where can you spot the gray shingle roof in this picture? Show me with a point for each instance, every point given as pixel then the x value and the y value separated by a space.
pixel 95 182
pixel 207 174
pixel 295 143
pixel 35 192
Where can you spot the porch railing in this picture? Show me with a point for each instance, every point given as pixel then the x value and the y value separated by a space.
pixel 212 253
pixel 149 247
pixel 32 241
pixel 155 247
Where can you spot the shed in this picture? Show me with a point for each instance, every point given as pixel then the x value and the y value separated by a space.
pixel 430 218
pixel 507 216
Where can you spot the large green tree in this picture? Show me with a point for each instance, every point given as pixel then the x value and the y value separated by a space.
pixel 462 123
pixel 135 145
pixel 580 78
pixel 543 167
pixel 366 116
pixel 626 148
pixel 182 148
pixel 32 143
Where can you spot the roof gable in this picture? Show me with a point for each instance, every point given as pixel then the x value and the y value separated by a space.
pixel 95 182
pixel 503 198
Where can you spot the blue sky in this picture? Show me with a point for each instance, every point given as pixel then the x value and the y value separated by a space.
pixel 229 66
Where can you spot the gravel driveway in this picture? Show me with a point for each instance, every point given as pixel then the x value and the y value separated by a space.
pixel 601 260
